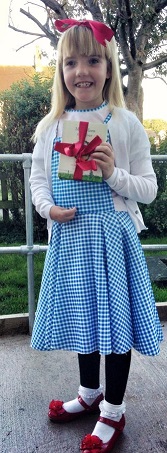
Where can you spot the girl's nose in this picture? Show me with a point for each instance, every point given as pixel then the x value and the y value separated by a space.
pixel 81 69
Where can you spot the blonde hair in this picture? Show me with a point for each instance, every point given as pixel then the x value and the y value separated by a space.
pixel 71 43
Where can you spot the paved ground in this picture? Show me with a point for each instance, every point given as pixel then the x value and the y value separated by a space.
pixel 30 379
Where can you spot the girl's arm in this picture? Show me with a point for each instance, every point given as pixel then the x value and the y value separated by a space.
pixel 138 182
pixel 140 188
pixel 41 188
pixel 39 184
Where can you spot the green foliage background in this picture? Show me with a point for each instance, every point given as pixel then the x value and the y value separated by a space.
pixel 155 125
pixel 155 214
pixel 22 107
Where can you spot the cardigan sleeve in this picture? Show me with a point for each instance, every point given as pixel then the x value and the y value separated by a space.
pixel 41 192
pixel 138 182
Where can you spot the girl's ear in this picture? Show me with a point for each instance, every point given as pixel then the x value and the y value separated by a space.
pixel 108 75
pixel 109 70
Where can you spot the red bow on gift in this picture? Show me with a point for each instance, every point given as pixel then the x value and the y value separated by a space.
pixel 79 149
pixel 100 30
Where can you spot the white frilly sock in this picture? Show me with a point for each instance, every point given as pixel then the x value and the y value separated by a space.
pixel 111 411
pixel 88 395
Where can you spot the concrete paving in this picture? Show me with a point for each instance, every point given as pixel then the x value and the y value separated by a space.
pixel 30 379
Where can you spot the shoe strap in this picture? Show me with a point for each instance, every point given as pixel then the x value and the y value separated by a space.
pixel 116 425
pixel 82 402
pixel 93 405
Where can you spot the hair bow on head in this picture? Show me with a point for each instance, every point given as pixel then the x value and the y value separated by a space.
pixel 100 31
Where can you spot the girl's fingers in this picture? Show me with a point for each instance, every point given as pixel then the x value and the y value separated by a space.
pixel 62 215
pixel 105 147
pixel 103 151
pixel 104 157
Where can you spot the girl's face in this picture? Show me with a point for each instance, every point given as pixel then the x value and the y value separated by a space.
pixel 84 77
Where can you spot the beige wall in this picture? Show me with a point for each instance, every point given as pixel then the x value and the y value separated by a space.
pixel 12 74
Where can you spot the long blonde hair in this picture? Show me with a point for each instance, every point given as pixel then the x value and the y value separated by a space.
pixel 80 40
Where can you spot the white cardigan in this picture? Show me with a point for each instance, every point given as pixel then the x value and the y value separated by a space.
pixel 133 177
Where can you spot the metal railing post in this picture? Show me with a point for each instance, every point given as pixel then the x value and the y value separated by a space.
pixel 29 240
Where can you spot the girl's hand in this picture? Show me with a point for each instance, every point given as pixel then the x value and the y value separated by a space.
pixel 62 215
pixel 104 157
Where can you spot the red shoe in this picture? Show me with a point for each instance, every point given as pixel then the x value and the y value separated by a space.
pixel 58 414
pixel 94 444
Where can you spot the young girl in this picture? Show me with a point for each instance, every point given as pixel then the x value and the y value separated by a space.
pixel 96 296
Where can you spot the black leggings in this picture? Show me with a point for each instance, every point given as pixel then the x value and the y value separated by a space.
pixel 116 373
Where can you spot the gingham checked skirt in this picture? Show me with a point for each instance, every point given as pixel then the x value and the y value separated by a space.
pixel 95 292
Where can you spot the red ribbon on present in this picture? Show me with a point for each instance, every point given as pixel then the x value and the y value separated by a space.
pixel 100 31
pixel 79 149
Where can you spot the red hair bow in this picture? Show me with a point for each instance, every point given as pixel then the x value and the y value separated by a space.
pixel 100 31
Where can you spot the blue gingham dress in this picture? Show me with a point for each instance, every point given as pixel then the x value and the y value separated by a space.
pixel 95 293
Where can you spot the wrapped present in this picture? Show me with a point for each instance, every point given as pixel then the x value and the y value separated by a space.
pixel 79 140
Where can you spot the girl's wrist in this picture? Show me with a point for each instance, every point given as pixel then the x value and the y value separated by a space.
pixel 112 177
pixel 51 211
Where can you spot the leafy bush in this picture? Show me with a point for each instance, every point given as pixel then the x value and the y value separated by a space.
pixel 22 107
pixel 155 214
pixel 155 125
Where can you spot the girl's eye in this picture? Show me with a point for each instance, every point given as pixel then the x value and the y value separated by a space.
pixel 93 60
pixel 70 63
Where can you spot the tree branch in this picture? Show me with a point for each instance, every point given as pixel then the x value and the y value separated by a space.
pixel 144 31
pixel 25 45
pixel 48 34
pixel 94 9
pixel 156 77
pixel 131 33
pixel 160 5
pixel 35 4
pixel 155 63
pixel 86 7
pixel 26 32
pixel 123 38
pixel 147 66
pixel 56 7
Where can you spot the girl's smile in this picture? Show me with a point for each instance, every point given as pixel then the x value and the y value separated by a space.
pixel 83 84
pixel 84 77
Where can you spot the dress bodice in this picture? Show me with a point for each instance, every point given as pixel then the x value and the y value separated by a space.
pixel 87 197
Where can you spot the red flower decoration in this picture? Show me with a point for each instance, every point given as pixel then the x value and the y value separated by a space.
pixel 56 406
pixel 92 443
